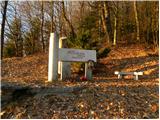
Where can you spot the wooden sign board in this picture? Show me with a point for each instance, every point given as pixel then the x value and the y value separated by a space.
pixel 76 55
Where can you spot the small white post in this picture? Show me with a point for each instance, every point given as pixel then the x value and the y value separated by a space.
pixel 119 76
pixel 53 58
pixel 136 77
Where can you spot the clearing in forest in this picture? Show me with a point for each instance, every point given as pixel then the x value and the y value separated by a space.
pixel 103 97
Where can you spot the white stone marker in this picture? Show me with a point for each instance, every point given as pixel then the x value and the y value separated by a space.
pixel 67 55
pixel 53 57
pixel 77 55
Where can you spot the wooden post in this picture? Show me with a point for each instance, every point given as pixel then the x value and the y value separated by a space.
pixel 53 58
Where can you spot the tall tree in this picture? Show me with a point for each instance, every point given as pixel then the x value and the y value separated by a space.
pixel 137 20
pixel 115 30
pixel 67 20
pixel 108 18
pixel 115 9
pixel 51 15
pixel 3 26
pixel 15 30
pixel 105 17
pixel 15 36
pixel 42 24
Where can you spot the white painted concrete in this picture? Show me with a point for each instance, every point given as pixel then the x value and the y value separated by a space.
pixel 77 55
pixel 53 57
pixel 62 57
pixel 121 74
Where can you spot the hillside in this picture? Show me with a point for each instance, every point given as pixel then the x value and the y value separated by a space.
pixel 103 97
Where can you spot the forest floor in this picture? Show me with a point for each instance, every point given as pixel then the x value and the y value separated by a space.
pixel 105 96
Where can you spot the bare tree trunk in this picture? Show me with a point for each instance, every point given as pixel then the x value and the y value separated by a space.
pixel 42 22
pixel 52 13
pixel 115 22
pixel 115 30
pixel 3 26
pixel 107 18
pixel 17 33
pixel 81 3
pixel 23 48
pixel 60 14
pixel 100 24
pixel 137 21
pixel 104 22
pixel 67 20
pixel 148 22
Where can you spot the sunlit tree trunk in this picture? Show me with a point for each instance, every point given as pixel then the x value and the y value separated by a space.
pixel 137 21
pixel 3 26
pixel 104 22
pixel 115 10
pixel 115 31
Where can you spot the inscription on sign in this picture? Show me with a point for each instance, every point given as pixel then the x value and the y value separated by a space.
pixel 76 55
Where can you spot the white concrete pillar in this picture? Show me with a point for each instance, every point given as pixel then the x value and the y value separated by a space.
pixel 64 68
pixel 53 57
pixel 59 62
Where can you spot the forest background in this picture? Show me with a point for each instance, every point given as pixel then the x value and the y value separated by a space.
pixel 98 25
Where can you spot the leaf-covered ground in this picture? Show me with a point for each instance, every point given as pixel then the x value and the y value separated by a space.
pixel 104 97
